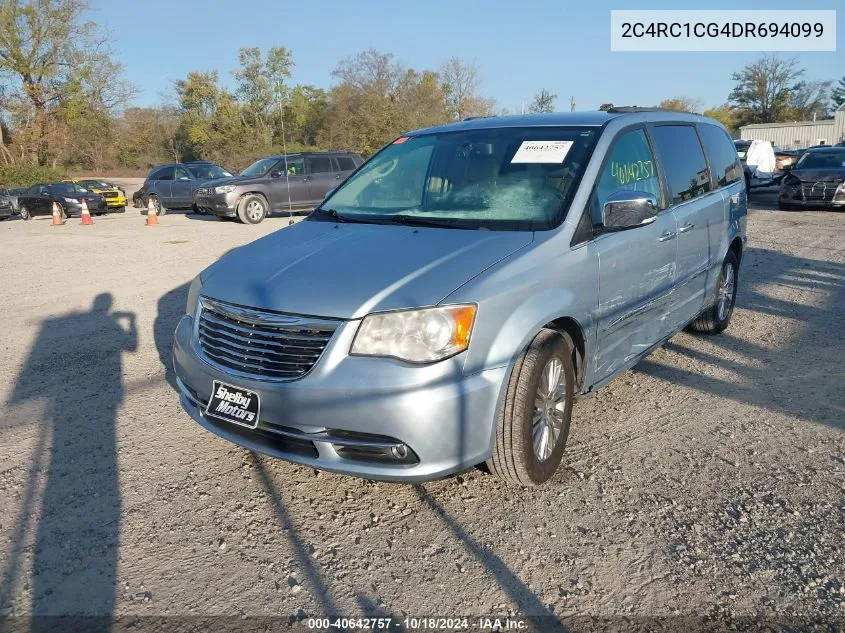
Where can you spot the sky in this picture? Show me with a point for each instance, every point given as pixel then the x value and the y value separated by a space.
pixel 519 46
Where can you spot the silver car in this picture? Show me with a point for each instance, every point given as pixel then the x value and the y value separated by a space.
pixel 448 303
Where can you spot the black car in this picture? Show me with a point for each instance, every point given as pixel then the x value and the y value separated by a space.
pixel 816 181
pixel 39 199
pixel 173 186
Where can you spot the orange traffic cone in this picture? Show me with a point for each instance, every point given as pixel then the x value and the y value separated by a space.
pixel 152 216
pixel 58 220
pixel 86 215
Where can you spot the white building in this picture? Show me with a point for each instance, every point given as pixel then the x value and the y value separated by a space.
pixel 799 134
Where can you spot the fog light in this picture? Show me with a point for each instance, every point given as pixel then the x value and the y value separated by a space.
pixel 399 451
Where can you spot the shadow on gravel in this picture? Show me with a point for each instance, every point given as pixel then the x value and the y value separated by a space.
pixel 798 378
pixel 75 368
pixel 528 604
pixel 171 307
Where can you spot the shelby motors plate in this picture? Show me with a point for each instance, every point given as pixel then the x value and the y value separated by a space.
pixel 234 404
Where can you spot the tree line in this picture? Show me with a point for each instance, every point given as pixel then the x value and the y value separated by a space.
pixel 64 104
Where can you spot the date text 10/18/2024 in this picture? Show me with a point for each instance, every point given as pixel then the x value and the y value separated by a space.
pixel 418 624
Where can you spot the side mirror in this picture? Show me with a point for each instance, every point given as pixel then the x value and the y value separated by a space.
pixel 329 192
pixel 275 174
pixel 628 209
pixel 183 178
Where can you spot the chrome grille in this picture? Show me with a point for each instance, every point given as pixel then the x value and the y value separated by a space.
pixel 821 191
pixel 260 344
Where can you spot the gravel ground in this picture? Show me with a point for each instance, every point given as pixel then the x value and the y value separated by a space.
pixel 709 481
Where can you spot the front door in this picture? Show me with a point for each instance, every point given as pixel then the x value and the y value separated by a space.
pixel 636 266
pixel 696 206
pixel 181 191
pixel 288 185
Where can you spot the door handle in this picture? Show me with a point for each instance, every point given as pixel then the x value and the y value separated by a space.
pixel 337 177
pixel 686 227
pixel 668 235
pixel 306 179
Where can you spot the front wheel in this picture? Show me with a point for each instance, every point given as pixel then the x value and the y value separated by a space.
pixel 252 209
pixel 25 214
pixel 533 425
pixel 717 317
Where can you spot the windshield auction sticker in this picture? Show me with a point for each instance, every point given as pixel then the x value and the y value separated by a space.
pixel 758 31
pixel 542 152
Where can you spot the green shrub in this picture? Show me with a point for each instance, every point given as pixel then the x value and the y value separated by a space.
pixel 25 175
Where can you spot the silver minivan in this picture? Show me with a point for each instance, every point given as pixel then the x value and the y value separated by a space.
pixel 450 301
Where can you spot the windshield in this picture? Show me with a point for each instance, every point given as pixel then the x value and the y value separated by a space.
pixel 500 179
pixel 96 184
pixel 209 172
pixel 260 167
pixel 828 159
pixel 67 187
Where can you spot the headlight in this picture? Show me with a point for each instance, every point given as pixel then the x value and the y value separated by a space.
pixel 193 296
pixel 417 336
pixel 840 188
pixel 224 189
pixel 71 200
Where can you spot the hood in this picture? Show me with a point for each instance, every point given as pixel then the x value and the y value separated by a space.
pixel 79 195
pixel 231 180
pixel 349 270
pixel 819 175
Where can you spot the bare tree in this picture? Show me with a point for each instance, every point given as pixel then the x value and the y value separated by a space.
pixel 544 101
pixel 763 89
pixel 461 83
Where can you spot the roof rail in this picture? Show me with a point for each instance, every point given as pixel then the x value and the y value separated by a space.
pixel 473 118
pixel 632 109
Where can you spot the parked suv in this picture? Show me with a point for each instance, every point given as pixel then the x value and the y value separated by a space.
pixel 173 186
pixel 447 304
pixel 277 183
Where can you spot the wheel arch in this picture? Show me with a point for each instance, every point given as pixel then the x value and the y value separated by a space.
pixel 571 329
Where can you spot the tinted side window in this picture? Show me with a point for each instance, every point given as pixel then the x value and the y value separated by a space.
pixel 319 164
pixel 683 161
pixel 182 174
pixel 629 167
pixel 345 163
pixel 165 173
pixel 296 166
pixel 724 160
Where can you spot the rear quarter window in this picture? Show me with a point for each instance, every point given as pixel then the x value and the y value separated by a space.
pixel 724 161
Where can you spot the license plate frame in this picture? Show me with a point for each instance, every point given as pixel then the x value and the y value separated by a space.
pixel 223 408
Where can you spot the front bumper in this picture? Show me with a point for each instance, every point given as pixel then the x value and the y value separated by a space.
pixel 119 201
pixel 446 419
pixel 223 205
pixel 823 196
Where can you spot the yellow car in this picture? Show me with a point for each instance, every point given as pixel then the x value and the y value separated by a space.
pixel 114 196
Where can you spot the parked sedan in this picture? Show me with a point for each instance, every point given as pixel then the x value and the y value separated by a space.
pixel 114 196
pixel 817 180
pixel 6 207
pixel 39 199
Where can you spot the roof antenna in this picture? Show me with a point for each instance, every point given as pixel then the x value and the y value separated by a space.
pixel 285 152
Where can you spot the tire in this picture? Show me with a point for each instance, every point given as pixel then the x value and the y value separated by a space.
pixel 197 210
pixel 517 454
pixel 120 209
pixel 160 210
pixel 25 214
pixel 718 316
pixel 63 213
pixel 252 209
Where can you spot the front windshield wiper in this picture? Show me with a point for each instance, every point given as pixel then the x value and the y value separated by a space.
pixel 333 214
pixel 420 221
